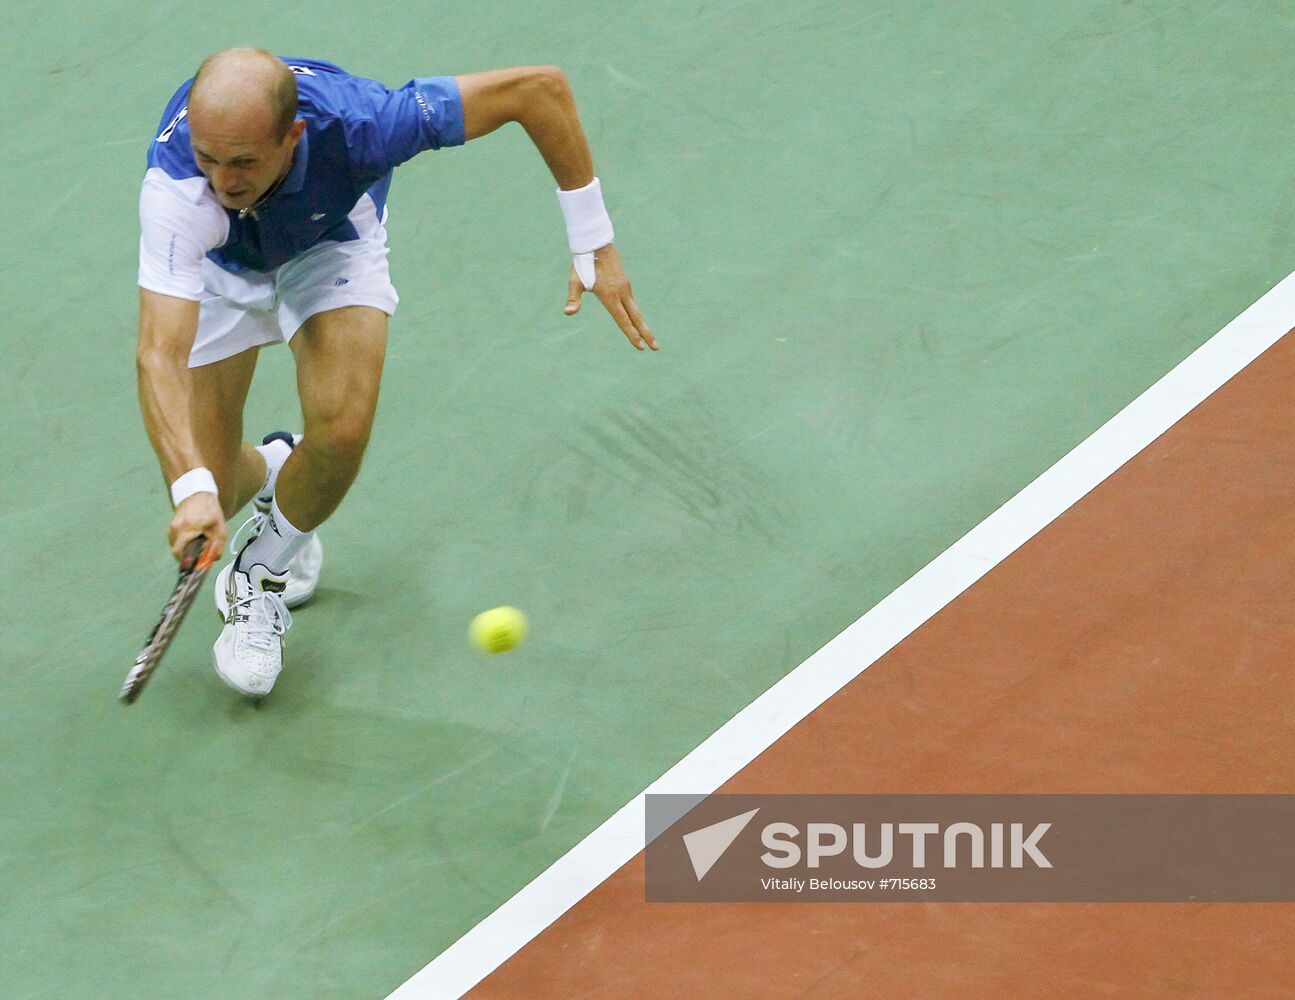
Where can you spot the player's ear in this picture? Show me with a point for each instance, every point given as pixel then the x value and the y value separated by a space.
pixel 295 130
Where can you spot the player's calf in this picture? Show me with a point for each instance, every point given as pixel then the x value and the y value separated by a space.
pixel 321 472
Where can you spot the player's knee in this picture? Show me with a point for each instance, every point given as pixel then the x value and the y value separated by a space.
pixel 339 443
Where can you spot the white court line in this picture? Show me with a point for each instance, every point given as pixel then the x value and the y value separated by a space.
pixel 573 876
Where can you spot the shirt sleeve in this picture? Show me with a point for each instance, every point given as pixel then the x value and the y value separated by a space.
pixel 177 228
pixel 426 113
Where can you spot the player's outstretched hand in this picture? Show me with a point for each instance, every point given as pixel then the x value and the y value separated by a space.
pixel 613 289
pixel 197 515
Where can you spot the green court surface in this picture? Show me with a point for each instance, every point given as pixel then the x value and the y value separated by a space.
pixel 899 259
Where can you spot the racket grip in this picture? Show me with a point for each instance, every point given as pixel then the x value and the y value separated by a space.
pixel 192 552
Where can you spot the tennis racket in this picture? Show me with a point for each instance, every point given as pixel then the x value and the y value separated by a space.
pixel 198 558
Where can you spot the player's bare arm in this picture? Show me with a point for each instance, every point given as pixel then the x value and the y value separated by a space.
pixel 166 331
pixel 539 98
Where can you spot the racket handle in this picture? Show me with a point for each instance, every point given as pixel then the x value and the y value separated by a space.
pixel 192 553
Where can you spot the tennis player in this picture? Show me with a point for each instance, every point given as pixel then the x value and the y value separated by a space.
pixel 262 216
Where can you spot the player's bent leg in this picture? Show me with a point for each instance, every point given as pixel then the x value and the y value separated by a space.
pixel 340 354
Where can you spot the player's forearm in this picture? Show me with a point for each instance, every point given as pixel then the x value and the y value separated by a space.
pixel 164 405
pixel 553 124
pixel 167 327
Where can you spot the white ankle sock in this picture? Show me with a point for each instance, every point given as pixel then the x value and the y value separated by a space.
pixel 276 545
pixel 275 454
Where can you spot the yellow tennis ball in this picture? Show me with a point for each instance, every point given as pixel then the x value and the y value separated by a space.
pixel 498 630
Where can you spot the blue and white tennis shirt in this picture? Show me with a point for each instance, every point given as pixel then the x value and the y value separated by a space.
pixel 357 132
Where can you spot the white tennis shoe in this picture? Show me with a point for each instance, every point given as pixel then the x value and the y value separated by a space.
pixel 303 571
pixel 249 653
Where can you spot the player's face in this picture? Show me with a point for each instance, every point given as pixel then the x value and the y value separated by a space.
pixel 240 168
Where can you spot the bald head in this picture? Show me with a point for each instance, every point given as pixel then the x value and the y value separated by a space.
pixel 243 124
pixel 247 91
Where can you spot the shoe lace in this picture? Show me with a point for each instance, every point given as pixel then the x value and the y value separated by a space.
pixel 267 618
pixel 255 523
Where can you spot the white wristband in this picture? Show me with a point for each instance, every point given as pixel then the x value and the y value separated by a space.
pixel 588 224
pixel 199 480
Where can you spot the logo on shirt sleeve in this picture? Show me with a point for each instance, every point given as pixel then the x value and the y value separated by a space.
pixel 423 106
pixel 166 132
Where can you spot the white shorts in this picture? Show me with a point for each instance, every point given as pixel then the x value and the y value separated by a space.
pixel 242 311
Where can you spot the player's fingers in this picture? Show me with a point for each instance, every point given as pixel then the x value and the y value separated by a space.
pixel 575 288
pixel 175 537
pixel 625 323
pixel 215 532
pixel 632 309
